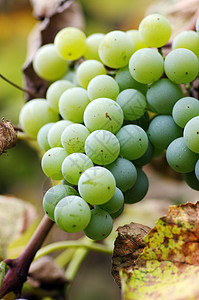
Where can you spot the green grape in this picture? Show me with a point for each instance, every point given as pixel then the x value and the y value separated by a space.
pixel 65 182
pixel 126 81
pixel 181 66
pixel 47 64
pixel 192 181
pixel 133 104
pixel 133 141
pixel 103 113
pixel 102 147
pixel 42 136
pixel 92 43
pixel 96 185
pixel 184 110
pixel 146 157
pixel 70 43
pixel 162 131
pixel 100 225
pixel 115 49
pixel 72 104
pixel 115 203
pixel 187 39
pixel 191 134
pixel 55 91
pixel 55 132
pixel 73 138
pixel 72 214
pixel 155 30
pixel 52 161
pixel 146 65
pixel 117 213
pixel 35 114
pixel 74 165
pixel 103 86
pixel 197 169
pixel 197 25
pixel 124 172
pixel 54 195
pixel 135 36
pixel 180 157
pixel 162 95
pixel 139 190
pixel 87 70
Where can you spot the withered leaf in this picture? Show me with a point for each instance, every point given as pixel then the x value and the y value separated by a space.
pixel 168 266
pixel 8 135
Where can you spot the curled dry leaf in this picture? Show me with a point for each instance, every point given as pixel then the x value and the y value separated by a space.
pixel 8 135
pixel 168 267
pixel 55 15
pixel 44 272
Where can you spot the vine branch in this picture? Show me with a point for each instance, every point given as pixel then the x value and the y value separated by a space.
pixel 19 267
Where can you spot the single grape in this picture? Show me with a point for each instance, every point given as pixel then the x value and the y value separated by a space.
pixel 162 131
pixel 100 225
pixel 135 36
pixel 124 172
pixel 42 136
pixel 187 39
pixel 70 43
pixel 55 132
pixel 180 157
pixel 133 104
pixel 197 169
pixel 88 70
pixel 146 65
pixel 184 110
pixel 181 66
pixel 55 91
pixel 126 81
pixel 191 134
pixel 92 43
pixel 103 86
pixel 72 214
pixel 102 147
pixel 192 181
pixel 73 138
pixel 139 190
pixel 54 195
pixel 115 49
pixel 74 165
pixel 155 30
pixel 162 95
pixel 72 104
pixel 133 141
pixel 96 185
pixel 35 114
pixel 103 113
pixel 47 63
pixel 115 203
pixel 52 161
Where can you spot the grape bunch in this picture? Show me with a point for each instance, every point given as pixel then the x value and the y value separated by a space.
pixel 114 102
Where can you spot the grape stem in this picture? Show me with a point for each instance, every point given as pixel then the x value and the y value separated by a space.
pixel 18 87
pixel 19 267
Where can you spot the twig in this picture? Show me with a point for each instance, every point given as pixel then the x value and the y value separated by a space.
pixel 18 87
pixel 18 268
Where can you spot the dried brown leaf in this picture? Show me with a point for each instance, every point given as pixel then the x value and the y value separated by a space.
pixel 8 135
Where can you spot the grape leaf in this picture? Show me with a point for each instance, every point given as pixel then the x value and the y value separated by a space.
pixel 168 266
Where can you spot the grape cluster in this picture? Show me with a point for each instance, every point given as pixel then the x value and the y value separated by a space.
pixel 104 120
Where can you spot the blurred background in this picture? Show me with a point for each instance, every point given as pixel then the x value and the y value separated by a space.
pixel 21 175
